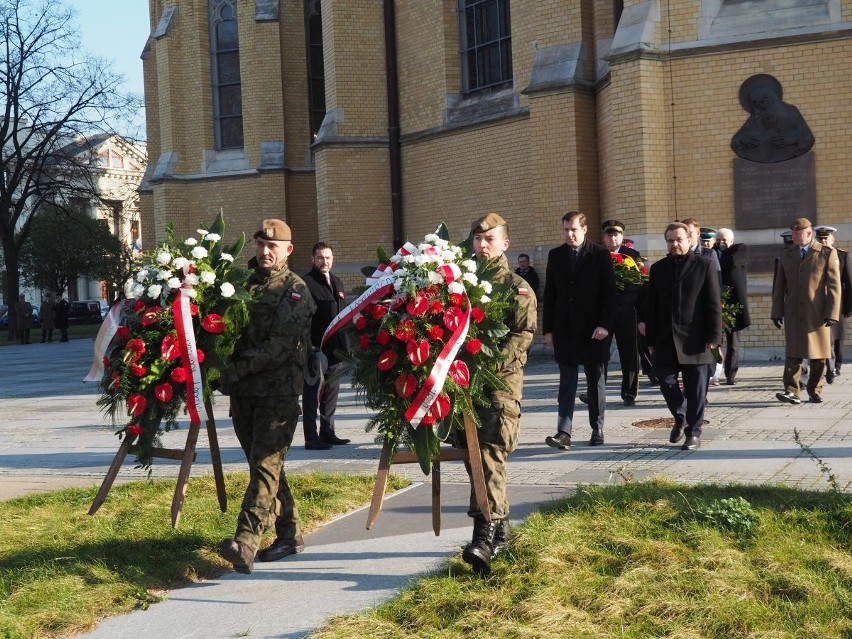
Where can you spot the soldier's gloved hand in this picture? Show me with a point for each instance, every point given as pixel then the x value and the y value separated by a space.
pixel 830 322
pixel 778 321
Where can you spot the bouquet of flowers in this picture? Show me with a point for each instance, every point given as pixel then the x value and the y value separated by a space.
pixel 427 332
pixel 627 271
pixel 730 311
pixel 162 347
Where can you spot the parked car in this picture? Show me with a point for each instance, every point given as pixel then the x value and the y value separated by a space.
pixel 103 306
pixel 4 320
pixel 84 312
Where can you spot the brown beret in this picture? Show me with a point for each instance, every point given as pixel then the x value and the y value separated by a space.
pixel 273 229
pixel 488 222
pixel 800 223
pixel 613 225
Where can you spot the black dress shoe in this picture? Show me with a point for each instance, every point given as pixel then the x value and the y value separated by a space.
pixel 788 398
pixel 629 400
pixel 280 548
pixel 597 438
pixel 676 433
pixel 560 440
pixel 334 440
pixel 691 443
pixel 730 382
pixel 316 444
pixel 240 555
pixel 829 377
pixel 584 397
pixel 816 399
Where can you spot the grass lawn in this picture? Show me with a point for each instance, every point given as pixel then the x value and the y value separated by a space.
pixel 61 570
pixel 646 560
pixel 78 331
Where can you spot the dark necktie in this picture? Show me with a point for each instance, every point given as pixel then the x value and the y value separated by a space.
pixel 803 251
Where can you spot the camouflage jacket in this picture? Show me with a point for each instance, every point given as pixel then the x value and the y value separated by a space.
pixel 269 356
pixel 521 320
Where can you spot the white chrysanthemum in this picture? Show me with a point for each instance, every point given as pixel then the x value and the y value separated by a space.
pixel 470 278
pixel 154 291
pixel 142 275
pixel 469 265
pixel 448 256
pixel 435 278
pixel 138 290
pixel 173 282
pixel 485 285
pixel 199 252
pixel 441 244
pixel 432 238
pixel 227 289
pixel 213 237
pixel 207 277
pixel 397 285
pixel 180 262
pixel 164 257
pixel 227 257
pixel 423 247
pixel 192 293
pixel 191 279
pixel 201 232
pixel 190 241
pixel 396 259
pixel 484 299
pixel 400 273
pixel 164 274
pixel 455 287
pixel 409 259
pixel 422 260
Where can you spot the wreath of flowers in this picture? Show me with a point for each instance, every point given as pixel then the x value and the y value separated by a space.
pixel 627 271
pixel 428 335
pixel 146 364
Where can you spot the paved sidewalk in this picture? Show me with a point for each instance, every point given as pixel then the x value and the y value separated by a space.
pixel 52 435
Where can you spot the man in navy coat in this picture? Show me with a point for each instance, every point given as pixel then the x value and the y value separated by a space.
pixel 683 325
pixel 579 305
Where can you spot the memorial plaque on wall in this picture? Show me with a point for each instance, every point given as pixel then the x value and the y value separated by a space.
pixel 772 195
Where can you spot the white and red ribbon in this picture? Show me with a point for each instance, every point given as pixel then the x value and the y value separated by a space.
pixel 105 334
pixel 383 270
pixel 189 353
pixel 376 291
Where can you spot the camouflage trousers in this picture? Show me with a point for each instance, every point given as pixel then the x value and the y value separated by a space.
pixel 265 427
pixel 498 436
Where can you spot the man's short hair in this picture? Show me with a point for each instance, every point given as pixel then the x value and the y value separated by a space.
pixel 321 246
pixel 576 215
pixel 691 222
pixel 673 226
pixel 523 255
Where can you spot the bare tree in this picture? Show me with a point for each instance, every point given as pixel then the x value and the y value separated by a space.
pixel 54 96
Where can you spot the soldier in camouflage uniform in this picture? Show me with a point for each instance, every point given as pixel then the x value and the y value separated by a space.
pixel 264 380
pixel 498 435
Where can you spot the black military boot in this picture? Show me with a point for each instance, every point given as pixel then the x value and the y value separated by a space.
pixel 502 532
pixel 479 551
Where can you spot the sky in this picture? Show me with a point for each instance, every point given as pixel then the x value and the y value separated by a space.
pixel 116 30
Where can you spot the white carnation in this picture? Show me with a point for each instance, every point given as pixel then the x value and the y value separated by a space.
pixel 164 257
pixel 201 232
pixel 400 273
pixel 142 275
pixel 396 259
pixel 191 241
pixel 173 282
pixel 455 287
pixel 207 277
pixel 199 252
pixel 435 277
pixel 470 278
pixel 397 285
pixel 484 299
pixel 227 257
pixel 432 238
pixel 409 259
pixel 448 256
pixel 191 279
pixel 227 289
pixel 180 262
pixel 192 293
pixel 154 291
pixel 138 290
pixel 485 285
pixel 421 260
pixel 469 265
pixel 164 274
pixel 213 237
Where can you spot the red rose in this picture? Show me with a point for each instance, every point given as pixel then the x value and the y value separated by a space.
pixel 452 318
pixel 213 323
pixel 136 405
pixel 459 373
pixel 405 384
pixel 477 314
pixel 418 306
pixel 364 341
pixel 169 348
pixel 123 333
pixel 456 299
pixel 405 330
pixel 138 305
pixel 473 346
pixel 440 407
pixel 383 337
pixel 178 375
pixel 193 308
pixel 151 315
pixel 200 355
pixel 418 351
pixel 361 323
pixel 386 360
pixel 435 332
pixel 618 258
pixel 135 429
pixel 436 307
pixel 163 392
pixel 138 370
pixel 379 311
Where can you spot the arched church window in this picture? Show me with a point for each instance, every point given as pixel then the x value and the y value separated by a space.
pixel 225 74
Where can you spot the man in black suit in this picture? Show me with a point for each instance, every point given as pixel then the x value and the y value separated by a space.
pixel 579 302
pixel 624 321
pixel 527 272
pixel 734 262
pixel 825 235
pixel 683 325
pixel 329 295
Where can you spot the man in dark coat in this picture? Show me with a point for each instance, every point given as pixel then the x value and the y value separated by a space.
pixel 734 262
pixel 579 303
pixel 683 325
pixel 527 272
pixel 825 235
pixel 329 295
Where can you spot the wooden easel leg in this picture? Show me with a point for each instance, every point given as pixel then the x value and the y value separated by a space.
pixel 477 476
pixel 380 486
pixel 112 473
pixel 216 458
pixel 183 475
pixel 436 497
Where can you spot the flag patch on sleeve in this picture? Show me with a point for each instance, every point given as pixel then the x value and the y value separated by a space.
pixel 295 296
pixel 523 291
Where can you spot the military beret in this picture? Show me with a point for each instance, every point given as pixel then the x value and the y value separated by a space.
pixel 825 231
pixel 707 234
pixel 487 222
pixel 800 224
pixel 273 229
pixel 613 225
